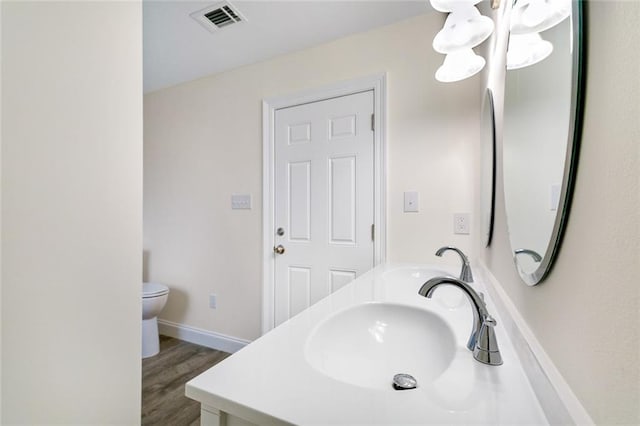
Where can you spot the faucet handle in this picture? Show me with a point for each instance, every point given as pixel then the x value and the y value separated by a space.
pixel 486 350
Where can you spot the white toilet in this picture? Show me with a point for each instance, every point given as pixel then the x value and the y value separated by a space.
pixel 154 297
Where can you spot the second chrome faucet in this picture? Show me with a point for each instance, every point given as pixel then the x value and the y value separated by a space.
pixel 465 272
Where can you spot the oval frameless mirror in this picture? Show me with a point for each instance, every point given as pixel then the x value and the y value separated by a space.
pixel 542 123
pixel 488 167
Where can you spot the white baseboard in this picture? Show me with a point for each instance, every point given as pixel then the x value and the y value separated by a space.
pixel 556 398
pixel 201 337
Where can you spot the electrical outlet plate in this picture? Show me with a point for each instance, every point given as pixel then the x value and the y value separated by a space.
pixel 241 201
pixel 554 197
pixel 461 223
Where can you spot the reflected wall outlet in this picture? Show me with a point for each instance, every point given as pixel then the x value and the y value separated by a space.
pixel 461 223
pixel 554 197
pixel 213 301
pixel 241 201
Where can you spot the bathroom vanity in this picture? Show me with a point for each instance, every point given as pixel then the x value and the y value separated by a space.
pixel 334 363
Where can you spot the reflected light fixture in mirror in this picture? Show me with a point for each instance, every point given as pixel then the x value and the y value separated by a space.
pixel 538 15
pixel 528 18
pixel 527 49
pixel 447 6
pixel 463 29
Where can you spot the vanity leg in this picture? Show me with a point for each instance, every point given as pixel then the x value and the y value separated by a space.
pixel 210 416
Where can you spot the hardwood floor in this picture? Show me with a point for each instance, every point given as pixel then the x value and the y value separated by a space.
pixel 163 379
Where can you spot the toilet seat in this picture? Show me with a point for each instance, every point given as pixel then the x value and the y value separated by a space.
pixel 153 290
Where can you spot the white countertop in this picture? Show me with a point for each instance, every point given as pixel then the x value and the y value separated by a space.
pixel 270 380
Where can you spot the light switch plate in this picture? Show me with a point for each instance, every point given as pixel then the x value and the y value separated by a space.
pixel 240 201
pixel 213 301
pixel 411 202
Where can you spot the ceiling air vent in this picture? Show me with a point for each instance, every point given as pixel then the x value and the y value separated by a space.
pixel 218 16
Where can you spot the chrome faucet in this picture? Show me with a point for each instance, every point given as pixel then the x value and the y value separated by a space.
pixel 536 257
pixel 482 340
pixel 465 272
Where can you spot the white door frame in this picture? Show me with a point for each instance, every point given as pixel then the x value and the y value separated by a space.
pixel 377 83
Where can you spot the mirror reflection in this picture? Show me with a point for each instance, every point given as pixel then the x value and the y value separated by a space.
pixel 539 121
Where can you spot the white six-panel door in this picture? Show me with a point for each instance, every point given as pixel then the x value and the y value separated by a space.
pixel 324 199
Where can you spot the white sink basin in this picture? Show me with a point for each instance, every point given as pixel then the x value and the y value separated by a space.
pixel 368 344
pixel 407 280
pixel 413 274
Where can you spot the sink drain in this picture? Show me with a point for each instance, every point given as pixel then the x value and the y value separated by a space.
pixel 404 381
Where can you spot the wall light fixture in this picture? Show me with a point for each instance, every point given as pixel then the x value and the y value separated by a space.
pixel 463 29
pixel 459 65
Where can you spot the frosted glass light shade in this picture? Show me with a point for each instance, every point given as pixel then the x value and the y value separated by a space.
pixel 464 28
pixel 451 5
pixel 526 49
pixel 533 16
pixel 459 65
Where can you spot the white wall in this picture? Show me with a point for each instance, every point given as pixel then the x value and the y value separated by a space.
pixel 587 312
pixel 71 212
pixel 203 141
pixel 0 212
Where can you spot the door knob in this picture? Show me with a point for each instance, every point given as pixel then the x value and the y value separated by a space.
pixel 279 249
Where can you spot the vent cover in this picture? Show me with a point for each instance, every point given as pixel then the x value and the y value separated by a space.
pixel 218 16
